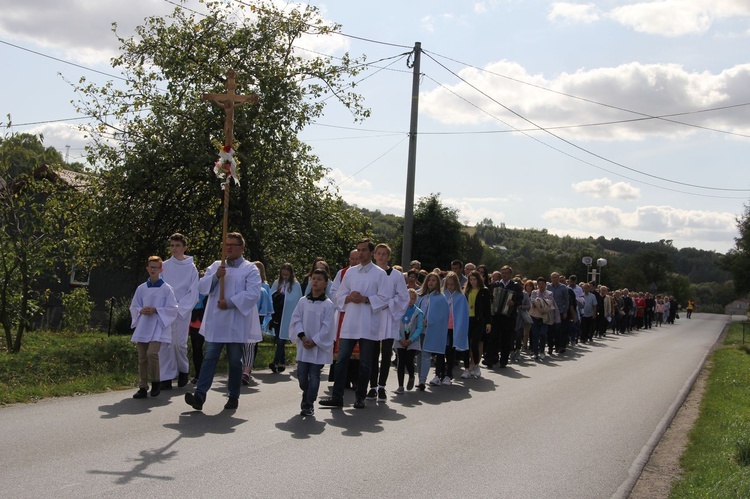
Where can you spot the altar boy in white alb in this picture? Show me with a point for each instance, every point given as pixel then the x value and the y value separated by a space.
pixel 153 310
pixel 313 330
pixel 362 298
pixel 229 322
pixel 180 273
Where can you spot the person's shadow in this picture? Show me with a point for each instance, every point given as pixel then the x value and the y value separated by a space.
pixel 191 425
pixel 302 427
pixel 130 406
pixel 356 422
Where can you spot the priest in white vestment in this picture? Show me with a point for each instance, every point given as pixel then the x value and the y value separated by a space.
pixel 229 322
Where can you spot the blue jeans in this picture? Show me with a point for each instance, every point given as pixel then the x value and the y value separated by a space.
pixel 346 346
pixel 208 368
pixel 538 336
pixel 309 381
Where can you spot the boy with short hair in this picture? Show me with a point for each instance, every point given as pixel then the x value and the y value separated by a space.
pixel 153 310
pixel 179 272
pixel 314 332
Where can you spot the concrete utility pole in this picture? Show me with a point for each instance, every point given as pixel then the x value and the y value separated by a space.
pixel 412 161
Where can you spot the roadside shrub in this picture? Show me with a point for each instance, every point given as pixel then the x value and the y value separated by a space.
pixel 77 309
pixel 121 317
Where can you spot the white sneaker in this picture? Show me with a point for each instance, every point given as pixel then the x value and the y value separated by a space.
pixel 477 372
pixel 435 381
pixel 447 381
pixel 467 374
pixel 542 355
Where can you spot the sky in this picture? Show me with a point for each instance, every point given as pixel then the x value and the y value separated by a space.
pixel 611 118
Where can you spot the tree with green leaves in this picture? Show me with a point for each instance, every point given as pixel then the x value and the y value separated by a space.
pixel 439 236
pixel 156 141
pixel 737 260
pixel 43 231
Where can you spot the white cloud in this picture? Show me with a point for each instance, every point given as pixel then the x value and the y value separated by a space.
pixel 339 179
pixel 480 7
pixel 428 24
pixel 79 30
pixel 660 222
pixel 470 213
pixel 575 12
pixel 652 89
pixel 678 17
pixel 604 188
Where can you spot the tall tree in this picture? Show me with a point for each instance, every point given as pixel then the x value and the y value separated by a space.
pixel 737 260
pixel 42 229
pixel 438 234
pixel 158 179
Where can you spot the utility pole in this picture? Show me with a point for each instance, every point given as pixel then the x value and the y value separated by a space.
pixel 412 161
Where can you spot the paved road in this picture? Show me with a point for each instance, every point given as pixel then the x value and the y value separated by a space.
pixel 572 427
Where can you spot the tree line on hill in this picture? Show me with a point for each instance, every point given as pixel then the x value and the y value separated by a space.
pixel 439 237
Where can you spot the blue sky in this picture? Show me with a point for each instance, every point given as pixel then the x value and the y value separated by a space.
pixel 490 68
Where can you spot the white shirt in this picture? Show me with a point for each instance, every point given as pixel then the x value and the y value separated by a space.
pixel 398 302
pixel 183 277
pixel 240 322
pixel 154 327
pixel 315 318
pixel 362 320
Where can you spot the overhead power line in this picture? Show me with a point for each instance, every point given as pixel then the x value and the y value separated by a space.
pixel 62 60
pixel 611 106
pixel 572 144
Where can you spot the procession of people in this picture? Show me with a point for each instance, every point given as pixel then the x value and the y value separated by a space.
pixel 458 321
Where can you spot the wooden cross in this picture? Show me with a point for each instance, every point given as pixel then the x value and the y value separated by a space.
pixel 228 101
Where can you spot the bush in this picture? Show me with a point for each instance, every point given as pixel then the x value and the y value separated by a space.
pixel 77 309
pixel 121 318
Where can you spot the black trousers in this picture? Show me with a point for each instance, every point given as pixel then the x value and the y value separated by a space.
pixel 405 363
pixel 382 352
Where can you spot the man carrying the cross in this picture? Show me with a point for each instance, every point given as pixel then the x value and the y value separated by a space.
pixel 231 321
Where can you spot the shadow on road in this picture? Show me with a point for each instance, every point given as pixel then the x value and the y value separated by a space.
pixel 356 422
pixel 302 427
pixel 146 459
pixel 130 406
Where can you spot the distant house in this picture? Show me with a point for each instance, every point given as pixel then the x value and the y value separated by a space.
pixel 102 284
pixel 737 307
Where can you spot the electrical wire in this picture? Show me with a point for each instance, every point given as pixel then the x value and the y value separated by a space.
pixel 369 164
pixel 565 153
pixel 576 146
pixel 610 106
pixel 62 60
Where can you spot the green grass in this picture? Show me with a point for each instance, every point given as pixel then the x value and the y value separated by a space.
pixel 716 463
pixel 58 364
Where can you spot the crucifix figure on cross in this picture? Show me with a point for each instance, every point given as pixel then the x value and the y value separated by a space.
pixel 228 101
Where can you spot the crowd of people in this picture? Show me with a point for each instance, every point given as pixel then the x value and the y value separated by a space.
pixel 438 320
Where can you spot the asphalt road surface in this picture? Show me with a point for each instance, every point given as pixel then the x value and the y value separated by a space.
pixel 570 427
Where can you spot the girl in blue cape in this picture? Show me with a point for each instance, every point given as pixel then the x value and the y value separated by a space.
pixel 285 294
pixel 435 333
pixel 458 330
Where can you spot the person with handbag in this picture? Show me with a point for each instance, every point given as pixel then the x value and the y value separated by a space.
pixel 542 303
pixel 524 321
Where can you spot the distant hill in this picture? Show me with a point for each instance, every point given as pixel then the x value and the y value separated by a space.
pixel 532 252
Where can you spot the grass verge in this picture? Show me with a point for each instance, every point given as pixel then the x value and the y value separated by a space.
pixel 64 363
pixel 716 463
